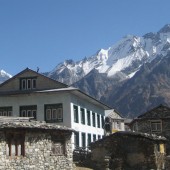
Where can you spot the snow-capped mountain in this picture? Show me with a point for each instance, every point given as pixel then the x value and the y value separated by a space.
pixel 4 76
pixel 126 57
pixel 115 75
pixel 133 75
pixel 148 88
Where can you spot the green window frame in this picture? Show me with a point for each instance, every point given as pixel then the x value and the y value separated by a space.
pixel 28 111
pixel 83 139
pixel 89 138
pixel 88 118
pixel 76 139
pixel 6 111
pixel 28 83
pixel 82 112
pixel 94 137
pixel 98 120
pixel 53 113
pixel 102 118
pixel 94 119
pixel 76 116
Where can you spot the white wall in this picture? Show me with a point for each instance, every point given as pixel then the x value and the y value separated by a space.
pixel 67 99
pixel 39 99
pixel 84 128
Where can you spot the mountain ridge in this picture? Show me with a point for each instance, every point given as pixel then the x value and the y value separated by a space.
pixel 4 76
pixel 103 74
pixel 147 89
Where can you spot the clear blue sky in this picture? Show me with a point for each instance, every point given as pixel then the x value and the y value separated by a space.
pixel 44 33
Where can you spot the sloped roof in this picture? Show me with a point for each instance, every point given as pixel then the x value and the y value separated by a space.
pixel 158 112
pixel 138 134
pixel 64 87
pixel 122 134
pixel 113 114
pixel 78 93
pixel 27 123
pixel 29 70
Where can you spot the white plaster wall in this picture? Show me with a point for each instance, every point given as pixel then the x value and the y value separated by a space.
pixel 84 128
pixel 123 126
pixel 68 100
pixel 39 99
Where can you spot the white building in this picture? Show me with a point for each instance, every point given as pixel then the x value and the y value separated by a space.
pixel 30 94
pixel 115 120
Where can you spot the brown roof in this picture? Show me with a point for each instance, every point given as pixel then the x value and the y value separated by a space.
pixel 157 113
pixel 160 111
pixel 26 70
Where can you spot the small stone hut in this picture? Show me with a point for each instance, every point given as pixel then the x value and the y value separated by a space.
pixel 155 121
pixel 26 144
pixel 130 151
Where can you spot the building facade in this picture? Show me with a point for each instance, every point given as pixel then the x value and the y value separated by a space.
pixel 155 121
pixel 129 151
pixel 30 94
pixel 114 122
pixel 33 145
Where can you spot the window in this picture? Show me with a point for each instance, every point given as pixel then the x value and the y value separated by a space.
pixel 33 83
pixel 98 121
pixel 23 113
pixel 48 114
pixel 76 139
pixel 89 138
pixel 76 118
pixel 162 148
pixel 28 83
pixel 119 125
pixel 82 116
pixel 83 139
pixel 60 113
pixel 58 145
pixel 94 119
pixel 28 111
pixel 15 144
pixel 156 126
pixel 53 113
pixel 88 118
pixel 102 117
pixel 23 84
pixel 135 126
pixel 5 111
pixel 58 148
pixel 94 137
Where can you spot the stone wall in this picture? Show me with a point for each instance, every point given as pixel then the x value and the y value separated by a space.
pixel 143 125
pixel 128 152
pixel 38 154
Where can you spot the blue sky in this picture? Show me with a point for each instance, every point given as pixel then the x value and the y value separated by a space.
pixel 43 33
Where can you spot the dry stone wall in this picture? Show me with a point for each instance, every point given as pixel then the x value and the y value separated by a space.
pixel 127 150
pixel 38 154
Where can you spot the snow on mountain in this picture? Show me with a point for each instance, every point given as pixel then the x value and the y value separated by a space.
pixel 4 76
pixel 125 56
